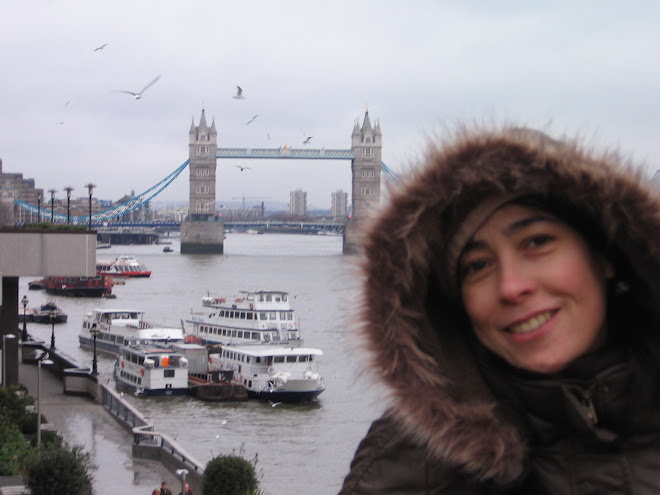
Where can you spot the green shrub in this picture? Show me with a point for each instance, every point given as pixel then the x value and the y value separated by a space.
pixel 14 448
pixel 59 470
pixel 231 475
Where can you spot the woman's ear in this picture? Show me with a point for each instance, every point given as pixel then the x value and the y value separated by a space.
pixel 606 266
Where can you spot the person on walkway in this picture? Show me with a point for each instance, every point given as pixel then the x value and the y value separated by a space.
pixel 511 309
pixel 164 490
pixel 187 490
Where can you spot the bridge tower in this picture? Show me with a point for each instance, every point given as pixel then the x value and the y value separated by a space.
pixel 366 145
pixel 202 232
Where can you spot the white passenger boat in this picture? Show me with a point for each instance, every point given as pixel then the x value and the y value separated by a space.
pixel 277 373
pixel 118 327
pixel 254 317
pixel 122 266
pixel 147 370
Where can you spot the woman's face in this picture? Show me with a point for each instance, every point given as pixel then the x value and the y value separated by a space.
pixel 533 290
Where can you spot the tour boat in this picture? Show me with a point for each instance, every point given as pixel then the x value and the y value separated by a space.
pixel 276 373
pixel 147 370
pixel 122 266
pixel 255 317
pixel 119 327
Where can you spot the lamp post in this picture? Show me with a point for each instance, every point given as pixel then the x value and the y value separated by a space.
pixel 90 187
pixel 46 362
pixel 39 209
pixel 5 338
pixel 94 330
pixel 51 314
pixel 24 302
pixel 68 190
pixel 52 204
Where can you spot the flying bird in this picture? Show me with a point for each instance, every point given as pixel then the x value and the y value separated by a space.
pixel 138 95
pixel 239 93
pixel 67 103
pixel 250 121
pixel 274 404
pixel 101 47
pixel 243 168
pixel 307 139
pixel 60 122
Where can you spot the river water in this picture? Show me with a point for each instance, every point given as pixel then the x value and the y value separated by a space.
pixel 301 448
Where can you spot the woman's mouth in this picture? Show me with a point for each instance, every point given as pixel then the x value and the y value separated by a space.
pixel 531 324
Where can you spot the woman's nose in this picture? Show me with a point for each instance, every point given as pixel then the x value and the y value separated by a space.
pixel 515 280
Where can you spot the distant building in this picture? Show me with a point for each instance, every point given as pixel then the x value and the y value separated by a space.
pixel 298 203
pixel 339 204
pixel 14 186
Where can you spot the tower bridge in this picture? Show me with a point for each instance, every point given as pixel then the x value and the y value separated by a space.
pixel 203 231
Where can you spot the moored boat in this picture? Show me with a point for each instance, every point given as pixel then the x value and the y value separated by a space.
pixel 120 327
pixel 151 370
pixel 277 373
pixel 254 317
pixel 122 266
pixel 47 313
pixel 79 286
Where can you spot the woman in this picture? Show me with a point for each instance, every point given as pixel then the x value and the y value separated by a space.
pixel 511 309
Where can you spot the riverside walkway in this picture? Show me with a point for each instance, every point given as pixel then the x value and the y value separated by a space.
pixel 80 421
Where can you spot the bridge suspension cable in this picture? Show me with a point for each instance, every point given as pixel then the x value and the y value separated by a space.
pixel 116 211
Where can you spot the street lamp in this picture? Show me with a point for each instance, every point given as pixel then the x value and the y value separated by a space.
pixel 39 209
pixel 94 330
pixel 5 338
pixel 90 187
pixel 46 362
pixel 52 314
pixel 25 302
pixel 68 190
pixel 52 204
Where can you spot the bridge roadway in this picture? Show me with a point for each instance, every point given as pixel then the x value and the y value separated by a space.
pixel 263 224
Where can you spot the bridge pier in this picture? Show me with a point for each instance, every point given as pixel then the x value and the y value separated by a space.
pixel 202 237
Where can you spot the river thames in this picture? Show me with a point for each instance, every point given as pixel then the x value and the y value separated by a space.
pixel 302 448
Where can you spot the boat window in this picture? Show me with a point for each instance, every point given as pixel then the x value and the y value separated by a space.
pixel 239 335
pixel 311 358
pixel 291 359
pixel 233 333
pixel 303 359
pixel 279 359
pixel 250 316
pixel 243 315
pixel 272 315
pixel 277 299
pixel 261 297
pixel 289 316
pixel 263 316
pixel 255 335
pixel 257 359
pixel 249 383
pixel 268 297
pixel 168 373
pixel 284 298
pixel 248 359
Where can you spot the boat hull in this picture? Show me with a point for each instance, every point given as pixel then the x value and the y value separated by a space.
pixel 141 392
pixel 283 396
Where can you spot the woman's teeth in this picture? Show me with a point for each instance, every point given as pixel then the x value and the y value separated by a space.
pixel 531 324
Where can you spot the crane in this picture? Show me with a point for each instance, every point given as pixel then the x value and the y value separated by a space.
pixel 244 198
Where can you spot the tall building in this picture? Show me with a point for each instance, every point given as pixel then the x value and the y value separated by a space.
pixel 339 204
pixel 366 166
pixel 298 203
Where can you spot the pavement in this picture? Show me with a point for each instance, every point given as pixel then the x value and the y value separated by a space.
pixel 80 421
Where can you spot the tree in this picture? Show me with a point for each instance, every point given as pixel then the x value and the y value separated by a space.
pixel 60 469
pixel 14 448
pixel 231 475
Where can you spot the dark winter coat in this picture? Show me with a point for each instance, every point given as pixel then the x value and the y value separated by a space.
pixel 463 422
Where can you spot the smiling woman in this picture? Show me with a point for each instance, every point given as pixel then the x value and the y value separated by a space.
pixel 515 322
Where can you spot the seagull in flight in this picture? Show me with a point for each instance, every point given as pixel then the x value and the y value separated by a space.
pixel 101 47
pixel 67 103
pixel 274 404
pixel 137 96
pixel 239 93
pixel 250 121
pixel 307 139
pixel 60 122
pixel 243 168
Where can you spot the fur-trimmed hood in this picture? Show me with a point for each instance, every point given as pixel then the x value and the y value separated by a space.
pixel 412 326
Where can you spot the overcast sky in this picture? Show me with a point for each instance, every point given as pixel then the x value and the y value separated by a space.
pixel 309 68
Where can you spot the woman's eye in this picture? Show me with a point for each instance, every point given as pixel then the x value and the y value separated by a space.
pixel 539 240
pixel 471 267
